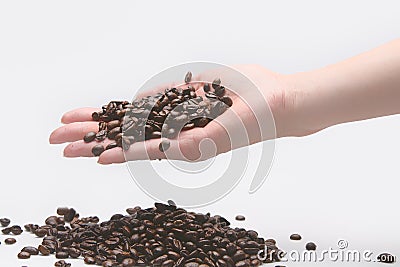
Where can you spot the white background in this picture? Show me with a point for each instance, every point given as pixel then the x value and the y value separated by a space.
pixel 59 55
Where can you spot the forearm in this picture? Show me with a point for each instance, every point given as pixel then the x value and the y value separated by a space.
pixel 362 87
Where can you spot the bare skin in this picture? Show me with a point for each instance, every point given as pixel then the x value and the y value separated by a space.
pixel 363 87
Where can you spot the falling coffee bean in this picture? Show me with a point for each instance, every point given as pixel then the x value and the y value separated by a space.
pixel 164 145
pixel 10 241
pixel 240 218
pixel 295 237
pixel 311 246
pixel 4 222
pixel 188 77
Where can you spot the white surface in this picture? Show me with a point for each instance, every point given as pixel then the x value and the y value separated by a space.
pixel 58 55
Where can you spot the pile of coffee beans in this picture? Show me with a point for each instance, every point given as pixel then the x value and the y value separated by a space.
pixel 161 115
pixel 163 235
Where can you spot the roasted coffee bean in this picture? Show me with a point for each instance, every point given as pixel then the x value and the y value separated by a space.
pixel 101 135
pixel 62 211
pixel 227 101
pixel 311 246
pixel 111 145
pixel 216 83
pixel 41 232
pixel 164 145
pixel 206 88
pixel 10 241
pixel 295 237
pixel 24 255
pixel 188 77
pixel 62 263
pixel 97 150
pixel 4 222
pixel 163 235
pixel 89 137
pixel 69 215
pixel 62 255
pixel 96 116
pixel 31 250
pixel 16 230
pixel 44 250
pixel 220 91
pixel 240 218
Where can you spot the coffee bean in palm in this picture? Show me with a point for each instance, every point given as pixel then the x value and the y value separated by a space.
pixel 295 237
pixel 206 87
pixel 4 222
pixel 101 135
pixel 10 241
pixel 188 77
pixel 111 145
pixel 311 246
pixel 216 83
pixel 227 101
pixel 89 137
pixel 201 122
pixel 96 116
pixel 24 255
pixel 164 145
pixel 97 150
pixel 220 90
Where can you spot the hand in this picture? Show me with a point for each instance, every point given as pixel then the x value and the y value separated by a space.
pixel 249 120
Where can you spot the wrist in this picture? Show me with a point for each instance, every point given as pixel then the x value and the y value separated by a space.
pixel 300 113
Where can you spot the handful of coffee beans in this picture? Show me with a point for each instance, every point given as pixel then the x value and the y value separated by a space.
pixel 161 115
pixel 163 235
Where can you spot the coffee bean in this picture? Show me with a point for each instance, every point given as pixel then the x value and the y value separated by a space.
pixel 89 260
pixel 62 255
pixel 311 246
pixel 41 232
pixel 206 88
pixel 164 145
pixel 97 150
pixel 227 101
pixel 96 116
pixel 220 91
pixel 101 135
pixel 62 211
pixel 295 237
pixel 62 263
pixel 69 215
pixel 111 145
pixel 4 222
pixel 44 250
pixel 240 218
pixel 188 77
pixel 31 250
pixel 89 137
pixel 216 83
pixel 10 241
pixel 16 230
pixel 24 255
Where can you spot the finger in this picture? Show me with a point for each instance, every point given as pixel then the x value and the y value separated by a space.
pixel 185 147
pixel 78 115
pixel 82 149
pixel 72 132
